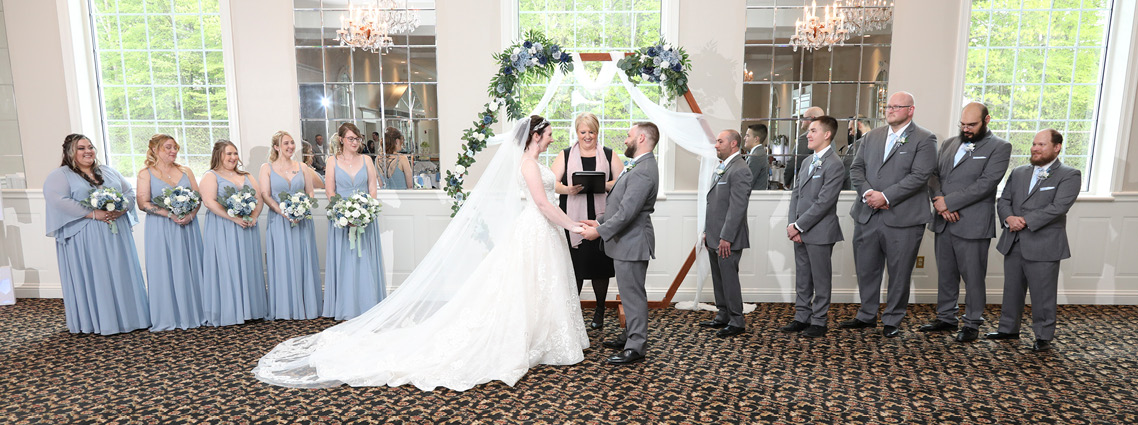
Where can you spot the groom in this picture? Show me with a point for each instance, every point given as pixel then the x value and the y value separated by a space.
pixel 627 232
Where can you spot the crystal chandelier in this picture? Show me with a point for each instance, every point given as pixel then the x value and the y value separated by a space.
pixel 369 27
pixel 864 16
pixel 812 32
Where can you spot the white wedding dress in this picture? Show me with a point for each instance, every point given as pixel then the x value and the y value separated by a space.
pixel 517 309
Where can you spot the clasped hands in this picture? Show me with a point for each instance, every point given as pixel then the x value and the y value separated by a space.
pixel 107 216
pixel 942 209
pixel 587 229
pixel 793 234
pixel 876 200
pixel 1015 223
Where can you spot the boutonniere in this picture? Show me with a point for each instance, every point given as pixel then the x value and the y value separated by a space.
pixel 903 140
pixel 816 162
pixel 1043 174
pixel 969 147
pixel 720 170
pixel 628 166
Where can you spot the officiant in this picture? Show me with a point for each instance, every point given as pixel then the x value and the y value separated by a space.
pixel 583 179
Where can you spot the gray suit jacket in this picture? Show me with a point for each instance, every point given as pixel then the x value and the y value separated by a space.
pixel 727 202
pixel 814 201
pixel 626 225
pixel 1044 209
pixel 760 167
pixel 901 176
pixel 970 186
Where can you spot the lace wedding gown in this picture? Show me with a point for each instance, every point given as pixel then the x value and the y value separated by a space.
pixel 518 309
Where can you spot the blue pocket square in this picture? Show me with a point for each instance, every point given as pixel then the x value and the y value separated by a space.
pixel 721 182
pixel 1046 188
pixel 979 157
pixel 817 176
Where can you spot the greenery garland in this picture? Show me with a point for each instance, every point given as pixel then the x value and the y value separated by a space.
pixel 534 58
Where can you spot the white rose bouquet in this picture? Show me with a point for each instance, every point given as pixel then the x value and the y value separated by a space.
pixel 241 202
pixel 179 200
pixel 107 199
pixel 296 206
pixel 354 212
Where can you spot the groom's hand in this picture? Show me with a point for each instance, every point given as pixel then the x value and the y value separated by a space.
pixel 591 223
pixel 590 233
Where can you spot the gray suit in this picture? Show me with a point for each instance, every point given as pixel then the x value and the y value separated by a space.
pixel 814 210
pixel 969 188
pixel 890 236
pixel 726 219
pixel 760 167
pixel 1032 255
pixel 626 228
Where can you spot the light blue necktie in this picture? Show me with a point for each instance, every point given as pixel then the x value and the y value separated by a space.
pixel 960 154
pixel 1034 178
pixel 889 145
pixel 813 164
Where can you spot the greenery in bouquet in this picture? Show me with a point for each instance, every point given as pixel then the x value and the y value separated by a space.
pixel 353 212
pixel 240 202
pixel 296 206
pixel 107 199
pixel 179 200
pixel 661 63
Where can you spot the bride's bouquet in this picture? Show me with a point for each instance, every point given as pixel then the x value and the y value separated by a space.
pixel 296 206
pixel 240 202
pixel 107 199
pixel 179 200
pixel 354 213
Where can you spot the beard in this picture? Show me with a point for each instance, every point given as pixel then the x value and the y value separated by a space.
pixel 630 152
pixel 1044 159
pixel 980 133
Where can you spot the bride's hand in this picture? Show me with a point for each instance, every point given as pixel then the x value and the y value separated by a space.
pixel 580 230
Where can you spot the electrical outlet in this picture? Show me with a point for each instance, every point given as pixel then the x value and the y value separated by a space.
pixel 920 261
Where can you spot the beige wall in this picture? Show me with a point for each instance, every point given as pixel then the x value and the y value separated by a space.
pixel 924 61
pixel 468 33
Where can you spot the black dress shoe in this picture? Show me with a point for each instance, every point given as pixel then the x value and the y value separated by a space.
pixel 857 324
pixel 967 335
pixel 937 326
pixel 729 331
pixel 615 344
pixel 596 325
pixel 1041 345
pixel 626 357
pixel 890 331
pixel 1001 335
pixel 795 326
pixel 714 324
pixel 814 331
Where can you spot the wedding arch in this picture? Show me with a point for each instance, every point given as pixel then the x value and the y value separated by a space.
pixel 536 58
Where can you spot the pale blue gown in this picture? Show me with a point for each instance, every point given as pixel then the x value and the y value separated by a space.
pixel 294 268
pixel 173 267
pixel 101 278
pixel 353 283
pixel 233 278
pixel 398 179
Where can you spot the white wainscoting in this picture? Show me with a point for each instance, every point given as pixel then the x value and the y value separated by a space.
pixel 1103 233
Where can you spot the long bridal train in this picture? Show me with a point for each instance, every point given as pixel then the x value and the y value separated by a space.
pixel 494 297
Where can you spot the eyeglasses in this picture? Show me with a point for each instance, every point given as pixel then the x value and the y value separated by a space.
pixel 352 139
pixel 896 107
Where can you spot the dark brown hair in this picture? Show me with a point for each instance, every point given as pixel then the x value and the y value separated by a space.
pixel 649 130
pixel 389 137
pixel 218 150
pixel 537 124
pixel 828 123
pixel 344 129
pixel 69 148
pixel 1056 138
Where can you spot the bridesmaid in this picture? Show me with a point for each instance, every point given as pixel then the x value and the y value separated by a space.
pixel 353 283
pixel 294 268
pixel 233 278
pixel 173 245
pixel 103 290
pixel 394 167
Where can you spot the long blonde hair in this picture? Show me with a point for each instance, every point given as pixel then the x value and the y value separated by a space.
pixel 156 142
pixel 218 150
pixel 274 151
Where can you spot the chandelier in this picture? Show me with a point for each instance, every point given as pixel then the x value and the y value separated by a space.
pixel 864 16
pixel 369 27
pixel 812 32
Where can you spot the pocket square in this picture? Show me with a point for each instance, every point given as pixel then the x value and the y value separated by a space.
pixel 817 176
pixel 721 182
pixel 979 157
pixel 901 153
pixel 1046 188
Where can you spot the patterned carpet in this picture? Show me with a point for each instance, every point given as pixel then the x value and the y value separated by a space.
pixel 851 376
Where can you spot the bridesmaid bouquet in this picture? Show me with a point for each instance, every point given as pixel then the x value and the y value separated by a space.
pixel 107 199
pixel 179 200
pixel 354 213
pixel 296 206
pixel 241 202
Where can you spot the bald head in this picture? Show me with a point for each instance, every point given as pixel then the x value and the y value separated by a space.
pixel 900 109
pixel 810 114
pixel 974 122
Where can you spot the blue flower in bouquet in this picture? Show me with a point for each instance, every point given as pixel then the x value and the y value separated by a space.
pixel 527 44
pixel 651 51
pixel 240 203
pixel 107 199
pixel 565 57
pixel 541 60
pixel 179 200
pixel 507 70
pixel 296 206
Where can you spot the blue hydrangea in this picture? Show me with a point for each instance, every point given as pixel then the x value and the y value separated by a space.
pixel 487 119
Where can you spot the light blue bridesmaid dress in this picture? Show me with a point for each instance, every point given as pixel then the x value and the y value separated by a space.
pixel 294 268
pixel 233 278
pixel 173 267
pixel 353 283
pixel 101 278
pixel 398 179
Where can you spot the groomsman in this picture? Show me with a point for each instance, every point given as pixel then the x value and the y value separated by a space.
pixel 814 228
pixel 891 173
pixel 755 145
pixel 963 190
pixel 626 227
pixel 725 232
pixel 1033 211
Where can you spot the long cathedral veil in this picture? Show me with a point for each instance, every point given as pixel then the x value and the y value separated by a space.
pixel 485 218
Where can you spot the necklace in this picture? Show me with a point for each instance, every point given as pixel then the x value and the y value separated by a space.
pixel 165 173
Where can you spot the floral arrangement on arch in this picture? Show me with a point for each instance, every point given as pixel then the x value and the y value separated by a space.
pixel 525 61
pixel 660 63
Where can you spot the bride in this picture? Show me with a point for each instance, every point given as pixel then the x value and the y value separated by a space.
pixel 495 296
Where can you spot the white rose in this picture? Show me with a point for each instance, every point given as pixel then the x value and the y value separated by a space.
pixel 179 198
pixel 343 221
pixel 533 61
pixel 110 207
pixel 532 50
pixel 663 77
pixel 480 136
pixel 644 76
pixel 665 64
pixel 94 199
pixel 355 213
pixel 460 169
pixel 167 202
pixel 469 152
pixel 231 213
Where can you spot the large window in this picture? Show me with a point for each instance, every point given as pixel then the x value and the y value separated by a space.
pixel 160 70
pixel 779 83
pixel 1039 64
pixel 11 159
pixel 595 26
pixel 375 91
